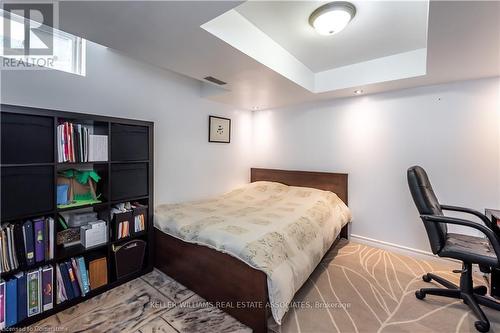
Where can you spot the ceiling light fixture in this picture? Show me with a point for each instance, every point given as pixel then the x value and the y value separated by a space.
pixel 332 17
pixel 358 91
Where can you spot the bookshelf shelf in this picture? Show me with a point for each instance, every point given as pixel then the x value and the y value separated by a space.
pixel 20 165
pixel 17 218
pixel 73 164
pixel 75 207
pixel 35 266
pixel 64 253
pixel 29 153
pixel 131 199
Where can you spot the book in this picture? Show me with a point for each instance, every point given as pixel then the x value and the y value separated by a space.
pixel 123 229
pixel 98 273
pixel 51 240
pixel 61 291
pixel 66 281
pixel 22 306
pixel 2 304
pixel 47 287
pixel 83 273
pixel 38 227
pixel 46 239
pixel 33 291
pixel 29 243
pixel 72 279
pixel 11 303
pixel 76 270
pixel 98 148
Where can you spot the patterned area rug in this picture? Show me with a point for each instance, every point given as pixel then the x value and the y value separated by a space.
pixel 356 288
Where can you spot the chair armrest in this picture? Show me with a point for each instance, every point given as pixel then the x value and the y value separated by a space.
pixel 490 234
pixel 481 216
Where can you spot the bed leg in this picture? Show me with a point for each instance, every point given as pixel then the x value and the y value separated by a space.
pixel 344 233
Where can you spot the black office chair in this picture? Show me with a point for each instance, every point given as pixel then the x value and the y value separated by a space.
pixel 468 249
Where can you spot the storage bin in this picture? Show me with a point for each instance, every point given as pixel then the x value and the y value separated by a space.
pixel 27 139
pixel 129 257
pixel 129 181
pixel 28 190
pixel 129 143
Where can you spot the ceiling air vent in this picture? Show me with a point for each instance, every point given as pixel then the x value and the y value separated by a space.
pixel 214 80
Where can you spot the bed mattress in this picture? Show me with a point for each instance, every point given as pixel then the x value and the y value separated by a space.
pixel 281 230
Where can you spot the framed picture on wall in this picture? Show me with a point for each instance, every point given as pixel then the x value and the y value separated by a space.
pixel 219 129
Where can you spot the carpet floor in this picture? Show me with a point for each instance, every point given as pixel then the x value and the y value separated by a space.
pixel 356 288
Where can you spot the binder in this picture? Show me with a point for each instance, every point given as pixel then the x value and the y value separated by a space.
pixel 47 287
pixel 20 247
pixel 29 243
pixel 22 306
pixel 46 238
pixel 2 304
pixel 4 258
pixel 33 290
pixel 11 247
pixel 11 303
pixel 38 227
pixel 66 281
pixel 83 273
pixel 72 279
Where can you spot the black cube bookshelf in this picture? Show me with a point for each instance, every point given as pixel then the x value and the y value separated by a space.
pixel 29 168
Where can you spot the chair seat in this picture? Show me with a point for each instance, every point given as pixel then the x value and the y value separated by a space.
pixel 471 249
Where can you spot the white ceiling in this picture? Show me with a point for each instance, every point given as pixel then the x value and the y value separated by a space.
pixel 463 43
pixel 371 34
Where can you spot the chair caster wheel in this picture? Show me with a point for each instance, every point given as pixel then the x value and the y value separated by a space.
pixel 426 278
pixel 419 294
pixel 481 290
pixel 482 326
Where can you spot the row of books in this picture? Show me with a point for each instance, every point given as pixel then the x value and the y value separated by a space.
pixel 76 144
pixel 26 294
pixel 24 245
pixel 72 279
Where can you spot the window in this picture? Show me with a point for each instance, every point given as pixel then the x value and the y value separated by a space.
pixel 68 53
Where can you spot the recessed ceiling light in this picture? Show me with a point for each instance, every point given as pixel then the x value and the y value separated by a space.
pixel 332 17
pixel 255 108
pixel 358 91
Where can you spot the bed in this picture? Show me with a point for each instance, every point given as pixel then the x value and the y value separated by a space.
pixel 250 250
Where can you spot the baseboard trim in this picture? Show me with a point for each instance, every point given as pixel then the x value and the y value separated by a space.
pixel 397 248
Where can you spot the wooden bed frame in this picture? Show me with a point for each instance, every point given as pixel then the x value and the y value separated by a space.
pixel 227 282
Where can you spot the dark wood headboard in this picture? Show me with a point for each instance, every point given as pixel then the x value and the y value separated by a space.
pixel 334 182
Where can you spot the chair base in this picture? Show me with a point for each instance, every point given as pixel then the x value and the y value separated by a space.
pixel 472 296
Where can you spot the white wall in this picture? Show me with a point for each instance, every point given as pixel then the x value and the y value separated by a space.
pixel 452 130
pixel 186 166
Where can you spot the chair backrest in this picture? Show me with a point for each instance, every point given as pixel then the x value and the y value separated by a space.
pixel 427 204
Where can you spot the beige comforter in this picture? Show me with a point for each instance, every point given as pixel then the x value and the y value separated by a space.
pixel 281 230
